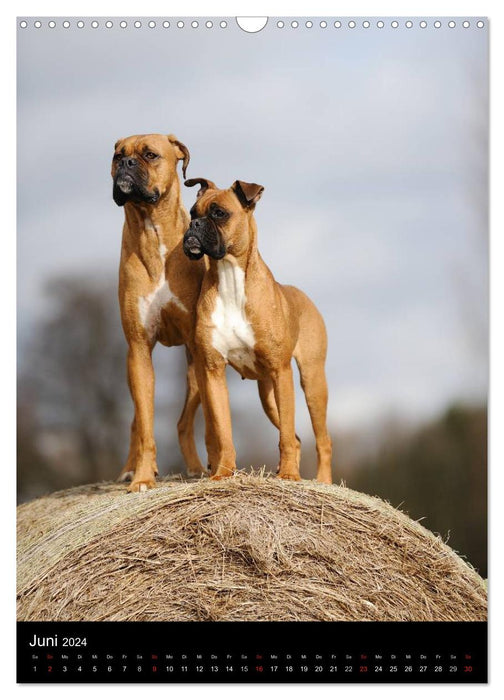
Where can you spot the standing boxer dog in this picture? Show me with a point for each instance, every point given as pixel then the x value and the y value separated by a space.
pixel 245 318
pixel 158 289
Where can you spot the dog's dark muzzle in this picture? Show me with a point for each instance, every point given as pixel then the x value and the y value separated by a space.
pixel 203 238
pixel 192 246
pixel 130 184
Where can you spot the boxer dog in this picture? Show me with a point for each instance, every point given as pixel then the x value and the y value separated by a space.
pixel 158 289
pixel 245 318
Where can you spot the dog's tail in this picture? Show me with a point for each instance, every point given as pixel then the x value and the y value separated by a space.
pixel 310 355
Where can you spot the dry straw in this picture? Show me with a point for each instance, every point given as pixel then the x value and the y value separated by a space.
pixel 246 548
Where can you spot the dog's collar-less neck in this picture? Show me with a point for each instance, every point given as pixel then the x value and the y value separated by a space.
pixel 151 232
pixel 166 219
pixel 251 254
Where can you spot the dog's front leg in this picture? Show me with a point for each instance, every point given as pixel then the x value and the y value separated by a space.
pixel 284 395
pixel 128 471
pixel 218 428
pixel 185 424
pixel 143 446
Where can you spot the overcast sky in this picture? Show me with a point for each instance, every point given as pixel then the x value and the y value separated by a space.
pixel 372 148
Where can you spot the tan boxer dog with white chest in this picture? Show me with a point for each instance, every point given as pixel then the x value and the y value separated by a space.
pixel 158 289
pixel 245 318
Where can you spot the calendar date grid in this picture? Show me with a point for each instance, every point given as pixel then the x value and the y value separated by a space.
pixel 252 664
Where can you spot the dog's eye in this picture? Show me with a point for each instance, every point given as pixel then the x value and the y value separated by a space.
pixel 117 156
pixel 151 156
pixel 218 213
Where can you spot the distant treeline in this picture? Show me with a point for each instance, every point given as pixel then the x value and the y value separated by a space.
pixel 438 473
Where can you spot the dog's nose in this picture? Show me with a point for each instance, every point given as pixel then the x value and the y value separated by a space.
pixel 128 162
pixel 196 223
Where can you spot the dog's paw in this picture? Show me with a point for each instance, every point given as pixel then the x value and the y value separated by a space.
pixel 222 473
pixel 290 476
pixel 197 471
pixel 141 485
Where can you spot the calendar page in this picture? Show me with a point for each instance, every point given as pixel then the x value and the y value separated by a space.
pixel 252 349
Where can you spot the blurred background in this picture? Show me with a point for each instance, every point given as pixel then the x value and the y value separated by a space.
pixel 372 146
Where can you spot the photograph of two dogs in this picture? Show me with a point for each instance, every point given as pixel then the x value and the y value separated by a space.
pixel 197 279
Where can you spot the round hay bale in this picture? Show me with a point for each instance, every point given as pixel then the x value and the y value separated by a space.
pixel 246 548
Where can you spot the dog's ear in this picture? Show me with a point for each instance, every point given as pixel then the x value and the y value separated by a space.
pixel 181 151
pixel 247 192
pixel 204 185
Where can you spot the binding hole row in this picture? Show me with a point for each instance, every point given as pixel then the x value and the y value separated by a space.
pixel 280 24
pixel 123 24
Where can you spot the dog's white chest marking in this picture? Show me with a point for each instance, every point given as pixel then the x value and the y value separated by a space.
pixel 232 334
pixel 149 306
